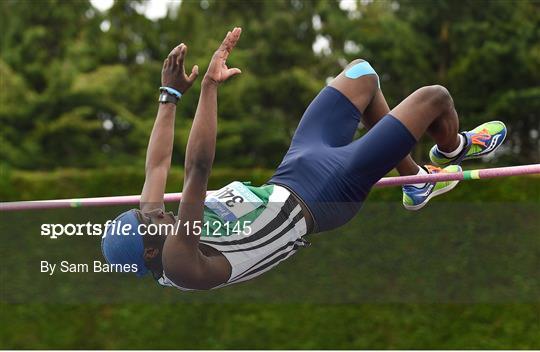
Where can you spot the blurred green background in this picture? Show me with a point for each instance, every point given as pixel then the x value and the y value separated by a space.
pixel 79 86
pixel 77 102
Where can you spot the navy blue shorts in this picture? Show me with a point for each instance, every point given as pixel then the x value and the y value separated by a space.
pixel 329 171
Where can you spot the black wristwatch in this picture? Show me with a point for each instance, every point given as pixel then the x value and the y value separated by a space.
pixel 166 97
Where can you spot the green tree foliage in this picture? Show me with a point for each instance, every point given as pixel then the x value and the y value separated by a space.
pixel 79 86
pixel 485 52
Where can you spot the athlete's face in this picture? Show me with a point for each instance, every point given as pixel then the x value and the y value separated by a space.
pixel 162 224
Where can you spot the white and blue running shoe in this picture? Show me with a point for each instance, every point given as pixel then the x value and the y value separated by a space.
pixel 415 198
pixel 479 142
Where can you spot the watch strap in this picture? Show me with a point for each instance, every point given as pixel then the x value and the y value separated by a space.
pixel 172 91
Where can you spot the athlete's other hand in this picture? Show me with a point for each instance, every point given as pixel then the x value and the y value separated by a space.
pixel 173 74
pixel 217 70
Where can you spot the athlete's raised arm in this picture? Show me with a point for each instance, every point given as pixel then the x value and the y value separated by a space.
pixel 158 154
pixel 183 262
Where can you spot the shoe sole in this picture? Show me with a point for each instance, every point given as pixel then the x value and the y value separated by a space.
pixel 479 155
pixel 434 194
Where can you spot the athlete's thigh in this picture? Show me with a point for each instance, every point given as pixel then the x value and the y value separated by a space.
pixel 418 111
pixel 331 120
pixel 378 151
pixel 333 116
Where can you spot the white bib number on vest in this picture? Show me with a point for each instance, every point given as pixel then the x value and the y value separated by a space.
pixel 232 201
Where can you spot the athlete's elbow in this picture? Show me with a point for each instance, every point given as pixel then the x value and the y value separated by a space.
pixel 198 167
pixel 192 278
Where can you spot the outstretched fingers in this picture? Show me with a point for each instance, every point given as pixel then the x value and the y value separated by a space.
pixel 230 41
pixel 174 55
pixel 180 61
pixel 218 70
pixel 232 72
pixel 182 51
pixel 194 73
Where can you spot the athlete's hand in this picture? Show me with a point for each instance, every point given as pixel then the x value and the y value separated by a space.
pixel 173 74
pixel 218 71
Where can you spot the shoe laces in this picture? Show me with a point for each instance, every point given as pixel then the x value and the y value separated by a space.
pixel 433 169
pixel 481 137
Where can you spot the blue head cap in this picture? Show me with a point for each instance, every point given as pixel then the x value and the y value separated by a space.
pixel 118 248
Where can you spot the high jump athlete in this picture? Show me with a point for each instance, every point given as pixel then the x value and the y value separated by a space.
pixel 241 231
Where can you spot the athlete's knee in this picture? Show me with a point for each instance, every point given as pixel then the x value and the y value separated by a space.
pixel 358 82
pixel 361 68
pixel 437 96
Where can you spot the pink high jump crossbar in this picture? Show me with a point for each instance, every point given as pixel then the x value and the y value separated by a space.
pixel 175 197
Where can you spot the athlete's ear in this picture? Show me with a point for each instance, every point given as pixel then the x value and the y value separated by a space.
pixel 150 253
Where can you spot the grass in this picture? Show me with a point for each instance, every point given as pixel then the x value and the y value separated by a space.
pixel 462 273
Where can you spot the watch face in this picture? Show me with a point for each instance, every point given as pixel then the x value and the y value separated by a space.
pixel 167 98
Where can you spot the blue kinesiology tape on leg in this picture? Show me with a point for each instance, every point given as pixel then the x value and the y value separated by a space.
pixel 361 69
